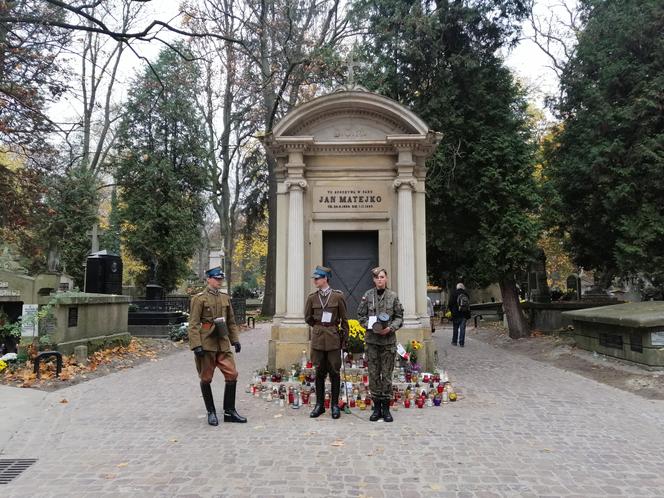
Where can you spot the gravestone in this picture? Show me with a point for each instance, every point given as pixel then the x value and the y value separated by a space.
pixel 351 195
pixel 103 273
pixel 631 331
pixel 574 284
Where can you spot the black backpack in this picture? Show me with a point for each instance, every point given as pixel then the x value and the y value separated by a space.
pixel 463 303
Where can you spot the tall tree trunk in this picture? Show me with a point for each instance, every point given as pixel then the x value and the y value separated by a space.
pixel 269 102
pixel 516 320
pixel 269 301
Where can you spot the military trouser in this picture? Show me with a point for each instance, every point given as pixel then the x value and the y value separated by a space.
pixel 212 360
pixel 381 365
pixel 327 362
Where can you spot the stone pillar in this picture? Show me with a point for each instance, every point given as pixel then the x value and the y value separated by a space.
pixel 295 283
pixel 406 248
pixel 405 184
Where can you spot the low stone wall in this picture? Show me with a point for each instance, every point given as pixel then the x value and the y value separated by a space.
pixel 93 320
pixel 549 317
pixel 630 331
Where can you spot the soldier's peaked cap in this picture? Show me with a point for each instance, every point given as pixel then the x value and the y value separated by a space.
pixel 322 271
pixel 215 272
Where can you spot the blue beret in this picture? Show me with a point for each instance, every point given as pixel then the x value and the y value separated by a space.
pixel 215 273
pixel 322 272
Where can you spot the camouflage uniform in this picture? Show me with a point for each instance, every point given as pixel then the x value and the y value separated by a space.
pixel 381 349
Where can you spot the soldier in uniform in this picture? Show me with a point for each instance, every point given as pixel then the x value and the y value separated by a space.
pixel 212 332
pixel 381 313
pixel 325 312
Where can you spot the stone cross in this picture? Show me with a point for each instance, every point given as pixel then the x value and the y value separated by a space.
pixel 94 239
pixel 351 71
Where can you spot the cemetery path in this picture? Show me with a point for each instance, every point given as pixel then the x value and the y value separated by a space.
pixel 523 428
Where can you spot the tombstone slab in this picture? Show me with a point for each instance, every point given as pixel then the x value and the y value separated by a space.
pixel 631 331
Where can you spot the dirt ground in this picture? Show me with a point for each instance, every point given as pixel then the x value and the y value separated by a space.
pixel 560 351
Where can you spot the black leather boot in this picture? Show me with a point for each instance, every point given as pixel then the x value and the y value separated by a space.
pixel 387 416
pixel 335 380
pixel 319 409
pixel 230 415
pixel 206 389
pixel 377 410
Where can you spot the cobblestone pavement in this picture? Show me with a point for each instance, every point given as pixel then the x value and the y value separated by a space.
pixel 523 429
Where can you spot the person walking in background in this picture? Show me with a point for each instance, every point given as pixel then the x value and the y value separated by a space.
pixel 431 314
pixel 381 314
pixel 459 306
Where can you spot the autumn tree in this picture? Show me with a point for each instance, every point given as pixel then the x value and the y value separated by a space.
pixel 288 49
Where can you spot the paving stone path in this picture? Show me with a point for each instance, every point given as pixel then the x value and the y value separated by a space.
pixel 522 429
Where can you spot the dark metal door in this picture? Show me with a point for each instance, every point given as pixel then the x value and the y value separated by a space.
pixel 351 256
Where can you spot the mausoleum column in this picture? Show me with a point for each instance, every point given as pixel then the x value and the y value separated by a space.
pixel 296 185
pixel 405 184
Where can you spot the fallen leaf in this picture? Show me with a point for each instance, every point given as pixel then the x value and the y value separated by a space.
pixel 338 442
pixel 64 401
pixel 173 440
pixel 278 415
pixel 123 464
pixel 435 487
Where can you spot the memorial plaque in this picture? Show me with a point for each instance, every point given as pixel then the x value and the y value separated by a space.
pixel 657 338
pixel 29 320
pixel 350 197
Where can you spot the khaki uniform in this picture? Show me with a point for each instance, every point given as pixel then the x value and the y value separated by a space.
pixel 381 349
pixel 327 337
pixel 205 307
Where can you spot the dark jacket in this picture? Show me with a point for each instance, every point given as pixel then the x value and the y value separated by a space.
pixel 453 305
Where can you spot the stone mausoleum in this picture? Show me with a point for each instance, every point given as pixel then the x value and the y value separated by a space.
pixel 351 196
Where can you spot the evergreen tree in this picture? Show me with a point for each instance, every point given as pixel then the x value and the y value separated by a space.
pixel 71 202
pixel 439 58
pixel 160 169
pixel 606 162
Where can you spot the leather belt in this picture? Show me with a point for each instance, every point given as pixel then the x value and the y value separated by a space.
pixel 324 324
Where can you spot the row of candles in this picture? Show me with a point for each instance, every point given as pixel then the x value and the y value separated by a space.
pixel 353 374
pixel 357 395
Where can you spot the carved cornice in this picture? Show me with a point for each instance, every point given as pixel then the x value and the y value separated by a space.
pixel 297 184
pixel 405 183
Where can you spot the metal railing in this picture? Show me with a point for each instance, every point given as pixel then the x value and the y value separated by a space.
pixel 170 304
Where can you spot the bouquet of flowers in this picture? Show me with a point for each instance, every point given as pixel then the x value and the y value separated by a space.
pixel 412 348
pixel 356 335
